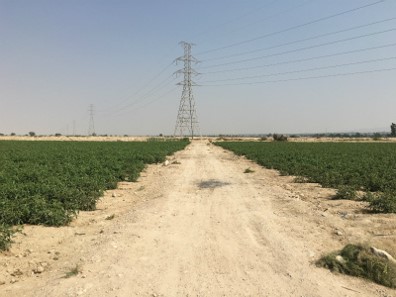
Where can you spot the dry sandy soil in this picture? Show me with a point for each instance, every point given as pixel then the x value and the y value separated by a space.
pixel 199 227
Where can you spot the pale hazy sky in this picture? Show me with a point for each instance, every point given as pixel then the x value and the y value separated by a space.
pixel 283 66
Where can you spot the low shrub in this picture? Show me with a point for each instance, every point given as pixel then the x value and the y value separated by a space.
pixel 6 233
pixel 346 192
pixel 381 202
pixel 279 137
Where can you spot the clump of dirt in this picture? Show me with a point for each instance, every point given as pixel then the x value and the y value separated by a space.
pixel 362 261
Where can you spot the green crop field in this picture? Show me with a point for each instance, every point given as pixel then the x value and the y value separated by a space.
pixel 349 167
pixel 49 182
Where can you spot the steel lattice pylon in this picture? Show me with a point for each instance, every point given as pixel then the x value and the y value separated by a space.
pixel 187 115
pixel 91 128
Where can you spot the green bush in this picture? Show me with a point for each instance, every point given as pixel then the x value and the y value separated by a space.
pixel 346 192
pixel 381 202
pixel 6 233
pixel 279 137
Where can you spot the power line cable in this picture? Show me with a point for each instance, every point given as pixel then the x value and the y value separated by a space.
pixel 274 15
pixel 159 87
pixel 110 109
pixel 293 27
pixel 304 78
pixel 303 60
pixel 148 103
pixel 300 49
pixel 302 40
pixel 158 75
pixel 157 99
pixel 154 77
pixel 261 20
pixel 305 70
pixel 250 12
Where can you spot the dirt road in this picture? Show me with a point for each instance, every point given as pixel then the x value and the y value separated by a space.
pixel 198 227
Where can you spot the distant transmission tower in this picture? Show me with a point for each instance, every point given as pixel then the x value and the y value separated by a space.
pixel 74 128
pixel 187 116
pixel 91 128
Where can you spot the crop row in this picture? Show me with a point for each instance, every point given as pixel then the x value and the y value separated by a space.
pixel 369 167
pixel 49 182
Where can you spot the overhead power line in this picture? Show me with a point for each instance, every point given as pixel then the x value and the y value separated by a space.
pixel 162 96
pixel 165 82
pixel 300 49
pixel 157 98
pixel 301 40
pixel 304 70
pixel 304 59
pixel 152 91
pixel 142 98
pixel 293 27
pixel 299 5
pixel 116 106
pixel 304 78
pixel 242 16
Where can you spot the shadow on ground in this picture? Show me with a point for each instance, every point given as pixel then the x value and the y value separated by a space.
pixel 212 184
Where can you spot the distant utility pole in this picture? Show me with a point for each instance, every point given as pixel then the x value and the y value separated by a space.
pixel 74 128
pixel 187 116
pixel 91 128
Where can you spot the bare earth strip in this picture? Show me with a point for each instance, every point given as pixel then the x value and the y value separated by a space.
pixel 200 228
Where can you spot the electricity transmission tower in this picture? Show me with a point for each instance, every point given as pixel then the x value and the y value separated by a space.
pixel 91 128
pixel 187 115
pixel 74 128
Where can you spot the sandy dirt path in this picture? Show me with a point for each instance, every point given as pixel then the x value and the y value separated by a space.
pixel 204 228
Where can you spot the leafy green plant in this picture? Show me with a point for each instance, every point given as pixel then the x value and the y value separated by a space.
pixel 346 192
pixel 6 233
pixel 381 202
